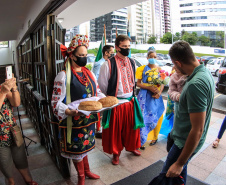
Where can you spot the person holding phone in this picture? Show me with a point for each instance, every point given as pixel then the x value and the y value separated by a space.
pixel 9 153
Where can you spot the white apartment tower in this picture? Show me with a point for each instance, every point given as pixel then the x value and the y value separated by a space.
pixel 148 18
pixel 140 21
pixel 202 16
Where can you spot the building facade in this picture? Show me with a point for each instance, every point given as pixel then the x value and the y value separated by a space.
pixel 140 21
pixel 203 16
pixel 112 21
pixel 83 29
pixel 167 18
pixel 148 18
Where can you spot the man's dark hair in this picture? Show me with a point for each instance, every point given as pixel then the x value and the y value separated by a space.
pixel 181 51
pixel 121 38
pixel 107 48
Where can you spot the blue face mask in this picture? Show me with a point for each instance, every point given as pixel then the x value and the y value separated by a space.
pixel 152 61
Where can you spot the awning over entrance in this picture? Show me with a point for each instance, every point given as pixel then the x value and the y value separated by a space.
pixel 85 10
pixel 18 16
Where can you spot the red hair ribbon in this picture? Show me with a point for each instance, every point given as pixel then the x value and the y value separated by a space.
pixel 63 49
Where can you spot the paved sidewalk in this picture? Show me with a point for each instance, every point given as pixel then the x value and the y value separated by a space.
pixel 208 165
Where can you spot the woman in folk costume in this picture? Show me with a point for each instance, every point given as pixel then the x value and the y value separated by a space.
pixel 121 125
pixel 150 101
pixel 76 83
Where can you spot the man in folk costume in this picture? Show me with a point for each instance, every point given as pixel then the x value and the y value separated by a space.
pixel 77 131
pixel 121 125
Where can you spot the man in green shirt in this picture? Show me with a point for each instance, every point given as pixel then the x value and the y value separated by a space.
pixel 192 117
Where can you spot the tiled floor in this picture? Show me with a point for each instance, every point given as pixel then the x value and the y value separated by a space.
pixel 208 165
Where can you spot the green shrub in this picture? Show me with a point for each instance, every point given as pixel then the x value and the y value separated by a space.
pixel 89 66
pixel 93 51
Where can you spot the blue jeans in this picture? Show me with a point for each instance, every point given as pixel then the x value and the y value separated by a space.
pixel 222 129
pixel 172 157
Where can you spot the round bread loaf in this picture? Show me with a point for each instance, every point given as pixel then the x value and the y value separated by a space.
pixel 90 105
pixel 108 101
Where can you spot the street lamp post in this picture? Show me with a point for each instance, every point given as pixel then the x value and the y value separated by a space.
pixel 172 36
pixel 224 33
pixel 111 36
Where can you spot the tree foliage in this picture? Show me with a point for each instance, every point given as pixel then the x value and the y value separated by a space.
pixel 191 38
pixel 205 41
pixel 152 39
pixel 176 37
pixel 220 39
pixel 167 38
pixel 3 43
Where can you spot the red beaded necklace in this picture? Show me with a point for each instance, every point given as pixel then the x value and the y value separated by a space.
pixel 84 79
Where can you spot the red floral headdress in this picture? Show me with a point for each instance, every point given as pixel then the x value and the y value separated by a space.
pixel 78 40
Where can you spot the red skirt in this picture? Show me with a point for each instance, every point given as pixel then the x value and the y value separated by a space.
pixel 120 133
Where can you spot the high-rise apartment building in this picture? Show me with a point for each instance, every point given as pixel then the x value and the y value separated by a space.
pixel 202 16
pixel 167 19
pixel 158 22
pixel 140 21
pixel 148 18
pixel 83 29
pixel 113 20
pixel 71 33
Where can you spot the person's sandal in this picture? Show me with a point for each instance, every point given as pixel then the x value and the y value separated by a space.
pixel 142 147
pixel 32 183
pixel 153 143
pixel 216 143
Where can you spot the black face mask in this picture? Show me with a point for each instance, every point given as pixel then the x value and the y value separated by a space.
pixel 124 52
pixel 112 55
pixel 81 61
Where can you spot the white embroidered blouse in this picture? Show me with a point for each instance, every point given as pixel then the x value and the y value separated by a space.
pixel 59 93
pixel 104 77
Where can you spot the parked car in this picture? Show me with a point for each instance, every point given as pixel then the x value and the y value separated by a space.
pixel 164 56
pixel 140 55
pixel 222 58
pixel 160 54
pixel 90 59
pixel 167 57
pixel 221 84
pixel 90 62
pixel 198 58
pixel 213 65
pixel 164 61
pixel 205 59
pixel 143 61
pixel 140 61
